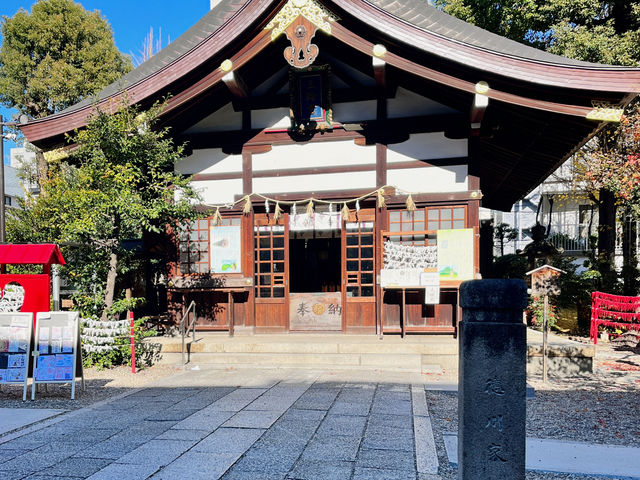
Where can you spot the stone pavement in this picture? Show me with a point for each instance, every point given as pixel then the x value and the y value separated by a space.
pixel 267 424
pixel 11 418
pixel 550 455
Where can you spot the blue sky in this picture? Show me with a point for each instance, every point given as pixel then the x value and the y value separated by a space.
pixel 130 21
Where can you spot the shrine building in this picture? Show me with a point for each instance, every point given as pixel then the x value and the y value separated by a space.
pixel 343 148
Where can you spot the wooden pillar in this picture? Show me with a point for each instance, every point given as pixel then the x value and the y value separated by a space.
pixel 381 165
pixel 247 172
pixel 473 220
pixel 248 267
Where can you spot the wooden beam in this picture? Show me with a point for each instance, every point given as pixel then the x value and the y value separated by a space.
pixel 390 131
pixel 478 109
pixel 380 74
pixel 236 85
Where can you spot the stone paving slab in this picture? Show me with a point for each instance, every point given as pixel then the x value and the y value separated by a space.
pixel 549 455
pixel 268 425
pixel 13 418
pixel 123 471
pixel 253 419
pixel 382 474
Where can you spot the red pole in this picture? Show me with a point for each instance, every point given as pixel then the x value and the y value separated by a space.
pixel 133 346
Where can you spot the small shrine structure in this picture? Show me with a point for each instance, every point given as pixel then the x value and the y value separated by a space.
pixel 27 292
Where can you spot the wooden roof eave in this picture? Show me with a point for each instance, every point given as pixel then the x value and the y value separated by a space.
pixel 63 122
pixel 598 78
pixel 366 47
pixel 222 40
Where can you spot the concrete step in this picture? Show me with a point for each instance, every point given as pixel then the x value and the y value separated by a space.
pixel 245 345
pixel 408 362
pixel 416 353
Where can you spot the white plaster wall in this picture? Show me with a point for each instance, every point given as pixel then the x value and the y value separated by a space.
pixel 224 119
pixel 320 154
pixel 430 179
pixel 315 183
pixel 354 111
pixel 218 191
pixel 271 82
pixel 427 146
pixel 270 118
pixel 210 160
pixel 409 104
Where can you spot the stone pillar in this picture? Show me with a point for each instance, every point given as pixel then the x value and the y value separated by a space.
pixel 492 380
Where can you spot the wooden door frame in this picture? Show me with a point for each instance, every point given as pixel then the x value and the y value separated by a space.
pixel 258 220
pixel 371 216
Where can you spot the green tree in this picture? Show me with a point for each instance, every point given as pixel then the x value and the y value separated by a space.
pixel 504 233
pixel 119 184
pixel 55 56
pixel 591 30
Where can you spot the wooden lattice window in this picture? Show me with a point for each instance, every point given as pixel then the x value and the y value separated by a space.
pixel 408 221
pixel 360 259
pixel 415 230
pixel 270 263
pixel 444 218
pixel 193 244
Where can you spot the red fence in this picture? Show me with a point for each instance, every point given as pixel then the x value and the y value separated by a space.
pixel 614 311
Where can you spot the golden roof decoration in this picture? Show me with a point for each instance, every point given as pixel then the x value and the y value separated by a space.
pixel 309 9
pixel 603 112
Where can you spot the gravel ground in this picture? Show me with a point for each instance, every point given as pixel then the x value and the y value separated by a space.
pixel 599 408
pixel 100 385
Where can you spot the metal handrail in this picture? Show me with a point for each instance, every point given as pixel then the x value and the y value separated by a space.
pixel 185 331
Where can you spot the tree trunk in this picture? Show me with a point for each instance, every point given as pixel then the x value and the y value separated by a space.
pixel 111 283
pixel 622 11
pixel 606 236
pixel 42 168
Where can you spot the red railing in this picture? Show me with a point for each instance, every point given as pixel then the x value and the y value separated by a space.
pixel 615 311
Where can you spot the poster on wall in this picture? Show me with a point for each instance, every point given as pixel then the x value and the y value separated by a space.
pixel 455 254
pixel 15 339
pixel 226 249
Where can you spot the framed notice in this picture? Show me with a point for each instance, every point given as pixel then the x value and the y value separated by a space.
pixel 57 351
pixel 431 283
pixel 226 249
pixel 455 254
pixel 16 330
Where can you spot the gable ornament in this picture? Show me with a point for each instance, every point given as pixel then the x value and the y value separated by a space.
pixel 299 20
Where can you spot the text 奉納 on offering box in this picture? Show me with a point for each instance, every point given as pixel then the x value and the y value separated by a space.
pixel 16 330
pixel 57 351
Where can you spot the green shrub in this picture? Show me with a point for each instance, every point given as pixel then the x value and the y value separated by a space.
pixel 535 313
pixel 510 266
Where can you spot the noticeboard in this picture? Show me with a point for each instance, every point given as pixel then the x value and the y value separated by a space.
pixel 57 351
pixel 226 249
pixel 456 254
pixel 16 330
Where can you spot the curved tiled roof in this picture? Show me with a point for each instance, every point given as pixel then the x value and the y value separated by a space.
pixel 428 18
pixel 414 12
pixel 200 31
pixel 413 22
